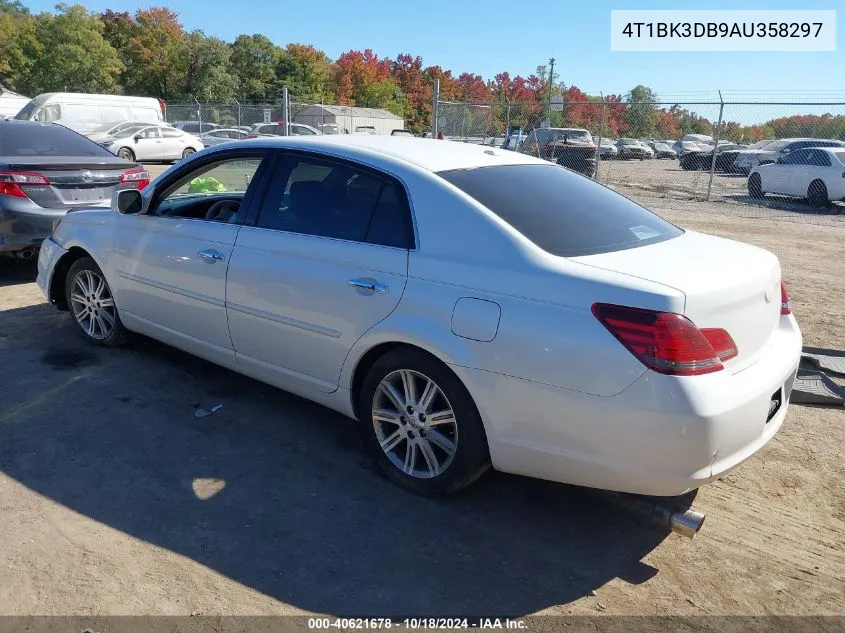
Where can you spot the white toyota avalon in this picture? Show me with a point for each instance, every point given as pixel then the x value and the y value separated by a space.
pixel 470 307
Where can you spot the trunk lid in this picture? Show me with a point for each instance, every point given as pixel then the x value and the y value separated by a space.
pixel 726 284
pixel 73 181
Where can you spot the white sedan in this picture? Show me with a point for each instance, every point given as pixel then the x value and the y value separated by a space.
pixel 154 142
pixel 570 335
pixel 815 173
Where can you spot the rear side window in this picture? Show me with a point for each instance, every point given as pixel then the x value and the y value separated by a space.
pixel 45 140
pixel 840 156
pixel 337 200
pixel 562 212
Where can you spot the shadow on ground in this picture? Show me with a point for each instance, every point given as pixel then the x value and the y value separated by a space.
pixel 302 516
pixel 16 271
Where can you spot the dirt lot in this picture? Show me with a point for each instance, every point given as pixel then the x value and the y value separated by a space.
pixel 116 500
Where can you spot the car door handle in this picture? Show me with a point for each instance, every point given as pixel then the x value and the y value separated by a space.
pixel 368 284
pixel 210 255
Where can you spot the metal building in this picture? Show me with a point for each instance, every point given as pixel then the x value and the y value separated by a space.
pixel 335 119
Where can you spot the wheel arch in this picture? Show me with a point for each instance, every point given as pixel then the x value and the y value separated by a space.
pixel 452 353
pixel 60 271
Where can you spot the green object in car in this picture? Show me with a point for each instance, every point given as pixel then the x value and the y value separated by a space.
pixel 205 184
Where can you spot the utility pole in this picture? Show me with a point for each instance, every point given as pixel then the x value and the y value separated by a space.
pixel 551 86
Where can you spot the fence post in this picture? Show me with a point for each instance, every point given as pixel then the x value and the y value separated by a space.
pixel 199 114
pixel 239 112
pixel 507 116
pixel 601 134
pixel 286 110
pixel 435 98
pixel 715 146
pixel 464 120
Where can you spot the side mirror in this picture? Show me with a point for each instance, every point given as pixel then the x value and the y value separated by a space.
pixel 779 161
pixel 138 137
pixel 127 201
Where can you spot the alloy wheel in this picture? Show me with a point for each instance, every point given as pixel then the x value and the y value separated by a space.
pixel 415 424
pixel 92 304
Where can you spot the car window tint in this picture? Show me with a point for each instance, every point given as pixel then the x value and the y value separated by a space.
pixel 323 198
pixel 152 132
pixel 170 133
pixel 390 224
pixel 562 212
pixel 819 158
pixel 45 140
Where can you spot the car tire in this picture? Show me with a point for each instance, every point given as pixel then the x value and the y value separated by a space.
pixel 430 455
pixel 755 187
pixel 126 154
pixel 188 151
pixel 92 306
pixel 817 194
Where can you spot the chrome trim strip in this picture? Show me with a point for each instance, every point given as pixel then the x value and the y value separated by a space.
pixel 179 291
pixel 302 325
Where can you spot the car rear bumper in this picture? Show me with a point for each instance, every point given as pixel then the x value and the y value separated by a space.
pixel 663 435
pixel 582 165
pixel 25 228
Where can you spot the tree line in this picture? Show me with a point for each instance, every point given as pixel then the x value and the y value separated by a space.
pixel 149 53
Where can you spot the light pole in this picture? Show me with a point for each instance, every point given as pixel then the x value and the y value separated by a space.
pixel 551 86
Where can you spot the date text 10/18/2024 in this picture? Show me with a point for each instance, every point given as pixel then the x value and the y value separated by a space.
pixel 416 623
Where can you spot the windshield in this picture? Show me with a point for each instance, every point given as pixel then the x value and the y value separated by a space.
pixel 18 139
pixel 562 212
pixel 27 111
pixel 629 141
pixel 777 146
pixel 571 135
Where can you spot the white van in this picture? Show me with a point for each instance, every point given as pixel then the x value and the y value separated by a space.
pixel 86 112
pixel 11 103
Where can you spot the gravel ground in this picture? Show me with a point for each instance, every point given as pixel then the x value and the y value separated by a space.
pixel 116 500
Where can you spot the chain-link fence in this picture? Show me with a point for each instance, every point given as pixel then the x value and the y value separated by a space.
pixel 305 117
pixel 773 160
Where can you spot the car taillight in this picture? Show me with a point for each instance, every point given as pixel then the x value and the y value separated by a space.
pixel 721 342
pixel 11 181
pixel 665 342
pixel 785 307
pixel 138 178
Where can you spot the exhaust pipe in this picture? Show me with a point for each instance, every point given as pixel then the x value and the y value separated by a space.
pixel 26 253
pixel 684 521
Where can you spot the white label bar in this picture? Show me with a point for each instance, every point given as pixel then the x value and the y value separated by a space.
pixel 719 30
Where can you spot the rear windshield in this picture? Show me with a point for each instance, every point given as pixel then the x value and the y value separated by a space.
pixel 45 140
pixel 562 212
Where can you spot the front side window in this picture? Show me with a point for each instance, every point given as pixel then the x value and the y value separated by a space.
pixel 337 200
pixel 195 194
pixel 49 113
pixel 150 132
pixel 562 212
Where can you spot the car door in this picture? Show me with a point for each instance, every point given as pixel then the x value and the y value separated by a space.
pixel 324 261
pixel 777 177
pixel 818 168
pixel 172 143
pixel 169 263
pixel 147 144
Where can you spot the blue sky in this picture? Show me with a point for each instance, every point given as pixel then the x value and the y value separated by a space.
pixel 486 37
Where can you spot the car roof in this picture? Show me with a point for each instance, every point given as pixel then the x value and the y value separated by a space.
pixel 429 154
